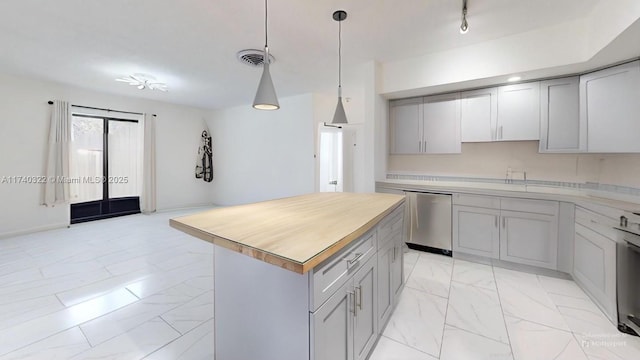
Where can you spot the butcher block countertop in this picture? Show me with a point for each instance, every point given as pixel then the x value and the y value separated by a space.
pixel 295 233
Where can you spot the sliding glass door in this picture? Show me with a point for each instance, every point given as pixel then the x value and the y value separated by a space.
pixel 105 167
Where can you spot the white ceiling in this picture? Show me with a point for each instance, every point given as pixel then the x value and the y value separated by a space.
pixel 191 44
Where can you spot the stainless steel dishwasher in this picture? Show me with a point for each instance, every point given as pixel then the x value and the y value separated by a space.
pixel 430 222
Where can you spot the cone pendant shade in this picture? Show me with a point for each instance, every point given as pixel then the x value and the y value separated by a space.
pixel 266 98
pixel 339 117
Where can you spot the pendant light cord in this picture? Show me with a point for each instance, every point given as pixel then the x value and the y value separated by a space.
pixel 266 17
pixel 340 57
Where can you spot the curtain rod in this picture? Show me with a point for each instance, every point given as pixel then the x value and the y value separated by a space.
pixel 108 110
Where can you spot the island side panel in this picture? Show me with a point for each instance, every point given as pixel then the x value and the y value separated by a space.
pixel 261 310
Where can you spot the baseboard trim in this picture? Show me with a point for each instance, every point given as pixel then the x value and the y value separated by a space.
pixel 32 230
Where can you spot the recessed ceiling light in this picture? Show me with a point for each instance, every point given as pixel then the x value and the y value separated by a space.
pixel 144 81
pixel 514 78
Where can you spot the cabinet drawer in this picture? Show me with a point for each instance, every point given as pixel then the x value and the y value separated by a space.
pixel 335 271
pixel 489 202
pixel 390 227
pixel 599 223
pixel 531 206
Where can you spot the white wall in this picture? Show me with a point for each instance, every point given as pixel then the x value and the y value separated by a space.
pixel 24 126
pixel 262 155
pixel 574 44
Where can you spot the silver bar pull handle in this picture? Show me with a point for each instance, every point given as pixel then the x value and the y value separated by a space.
pixel 355 259
pixel 359 294
pixel 419 146
pixel 352 298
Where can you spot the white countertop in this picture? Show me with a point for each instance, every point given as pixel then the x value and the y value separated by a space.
pixel 584 197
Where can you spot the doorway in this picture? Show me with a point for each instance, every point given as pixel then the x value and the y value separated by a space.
pixel 106 159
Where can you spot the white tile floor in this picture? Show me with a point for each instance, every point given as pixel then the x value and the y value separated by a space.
pixel 454 309
pixel 134 288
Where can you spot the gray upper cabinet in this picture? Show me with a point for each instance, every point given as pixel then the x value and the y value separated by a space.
pixel 519 112
pixel 561 127
pixel 610 106
pixel 429 125
pixel 479 115
pixel 405 125
pixel 441 131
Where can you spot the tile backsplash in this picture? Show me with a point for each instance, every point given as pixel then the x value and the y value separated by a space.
pixel 491 162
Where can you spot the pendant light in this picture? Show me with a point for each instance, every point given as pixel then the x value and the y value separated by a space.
pixel 339 117
pixel 266 98
pixel 464 27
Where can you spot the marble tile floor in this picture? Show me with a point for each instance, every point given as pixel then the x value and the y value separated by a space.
pixel 122 288
pixel 458 310
pixel 134 288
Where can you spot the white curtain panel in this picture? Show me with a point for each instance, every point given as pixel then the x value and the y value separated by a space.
pixel 148 194
pixel 56 191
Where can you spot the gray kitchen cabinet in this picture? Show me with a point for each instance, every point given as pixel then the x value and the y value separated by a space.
pixel 385 294
pixel 561 127
pixel 529 238
pixel 390 264
pixel 476 231
pixel 610 108
pixel 333 326
pixel 397 271
pixel 519 112
pixel 594 262
pixel 365 320
pixel 429 125
pixel 478 115
pixel 345 327
pixel 441 124
pixel 405 126
pixel 518 230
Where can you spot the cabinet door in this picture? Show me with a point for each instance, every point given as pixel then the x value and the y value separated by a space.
pixel 405 126
pixel 397 271
pixel 609 101
pixel 442 124
pixel 333 326
pixel 385 293
pixel 560 127
pixel 519 112
pixel 529 238
pixel 365 326
pixel 594 267
pixel 476 231
pixel 478 115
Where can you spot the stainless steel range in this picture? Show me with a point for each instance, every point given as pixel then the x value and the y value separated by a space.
pixel 628 275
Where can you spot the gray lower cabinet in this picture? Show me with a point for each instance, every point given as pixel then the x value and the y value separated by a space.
pixel 365 315
pixel 476 231
pixel 518 230
pixel 390 280
pixel 594 262
pixel 357 297
pixel 529 238
pixel 345 326
pixel 385 294
pixel 333 326
pixel 397 271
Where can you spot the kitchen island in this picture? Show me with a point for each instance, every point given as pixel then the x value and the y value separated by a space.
pixel 308 277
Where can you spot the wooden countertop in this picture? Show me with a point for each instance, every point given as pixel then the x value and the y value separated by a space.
pixel 295 233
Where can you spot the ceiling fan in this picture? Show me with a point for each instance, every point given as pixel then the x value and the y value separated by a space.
pixel 144 81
